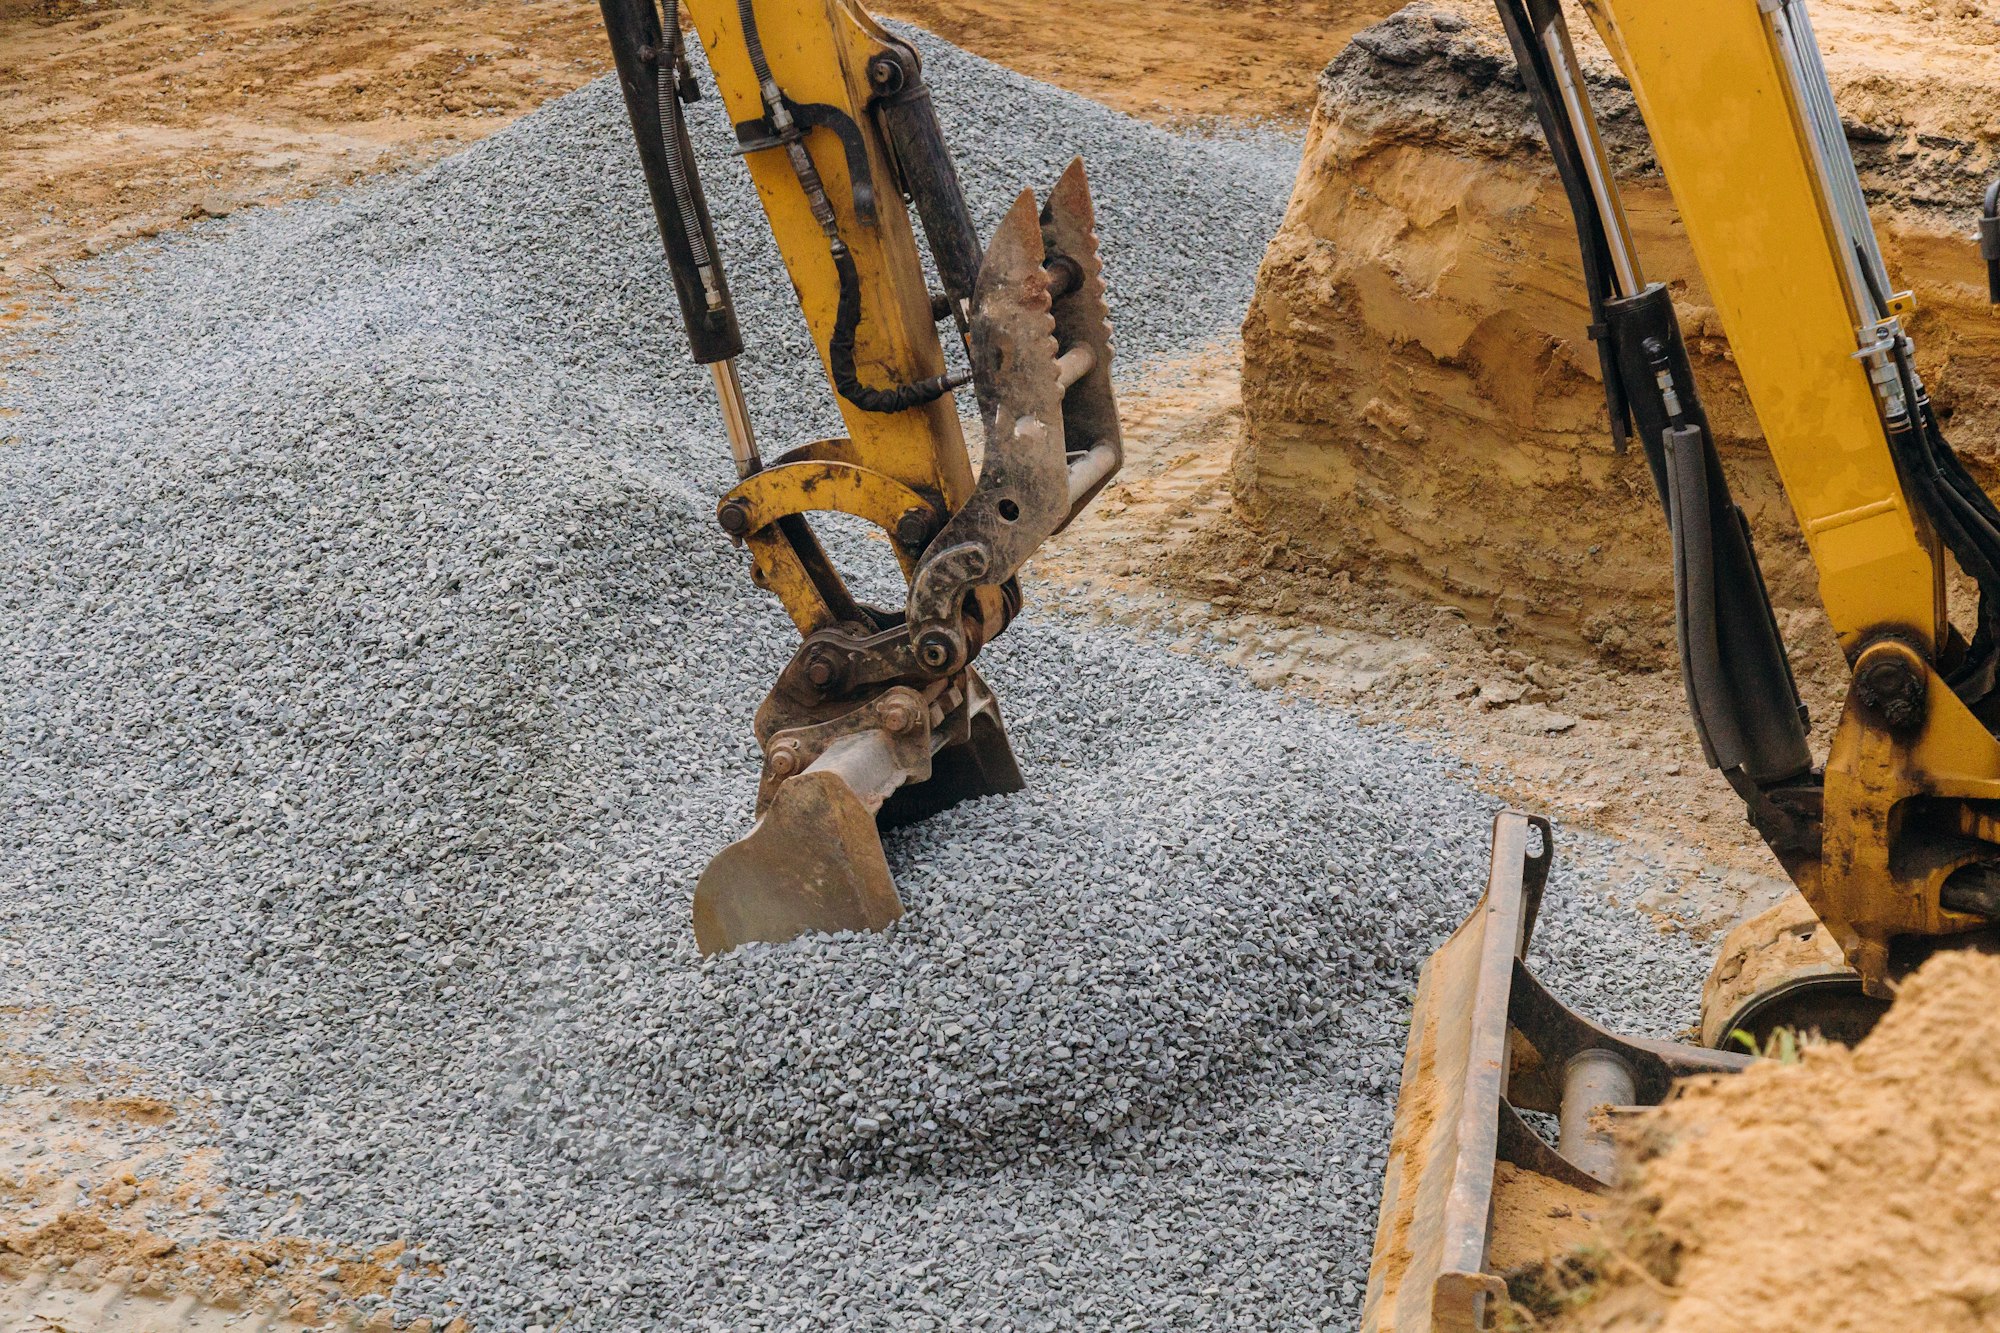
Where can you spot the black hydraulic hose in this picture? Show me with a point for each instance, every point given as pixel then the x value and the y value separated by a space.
pixel 1590 230
pixel 1964 512
pixel 1989 241
pixel 1964 516
pixel 847 313
pixel 840 352
pixel 1876 295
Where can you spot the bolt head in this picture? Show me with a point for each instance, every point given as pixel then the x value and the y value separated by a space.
pixel 885 74
pixel 1894 691
pixel 899 717
pixel 734 516
pixel 913 528
pixel 934 650
pixel 820 671
pixel 785 758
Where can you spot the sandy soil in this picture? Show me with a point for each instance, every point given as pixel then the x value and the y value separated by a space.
pixel 122 118
pixel 1178 62
pixel 1850 1190
pixel 108 1220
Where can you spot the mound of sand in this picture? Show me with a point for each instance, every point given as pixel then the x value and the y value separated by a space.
pixel 1422 407
pixel 1853 1190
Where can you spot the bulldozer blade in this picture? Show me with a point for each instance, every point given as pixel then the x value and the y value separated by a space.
pixel 1487 1041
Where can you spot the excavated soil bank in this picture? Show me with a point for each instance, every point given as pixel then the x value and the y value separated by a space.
pixel 1422 405
pixel 1855 1189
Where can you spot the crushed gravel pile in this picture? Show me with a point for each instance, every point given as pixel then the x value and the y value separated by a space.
pixel 376 682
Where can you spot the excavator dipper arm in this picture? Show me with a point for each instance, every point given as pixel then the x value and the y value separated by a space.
pixel 879 718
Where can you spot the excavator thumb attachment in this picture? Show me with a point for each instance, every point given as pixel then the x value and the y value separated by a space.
pixel 1487 1042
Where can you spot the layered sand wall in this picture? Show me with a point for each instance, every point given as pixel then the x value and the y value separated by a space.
pixel 1422 404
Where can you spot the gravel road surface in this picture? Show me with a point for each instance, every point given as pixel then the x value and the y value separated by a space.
pixel 376 682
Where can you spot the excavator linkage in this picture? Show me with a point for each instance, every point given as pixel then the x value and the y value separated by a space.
pixel 879 718
pixel 843 763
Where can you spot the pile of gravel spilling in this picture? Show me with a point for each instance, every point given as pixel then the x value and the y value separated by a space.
pixel 1175 905
pixel 377 683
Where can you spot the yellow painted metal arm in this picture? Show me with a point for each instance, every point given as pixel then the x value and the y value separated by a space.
pixel 818 53
pixel 1910 794
pixel 1738 158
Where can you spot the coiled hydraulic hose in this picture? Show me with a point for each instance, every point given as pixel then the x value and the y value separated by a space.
pixel 847 314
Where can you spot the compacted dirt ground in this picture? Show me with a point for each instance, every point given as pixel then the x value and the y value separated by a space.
pixel 121 118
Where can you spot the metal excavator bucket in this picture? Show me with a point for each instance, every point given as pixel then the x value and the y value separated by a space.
pixel 869 728
pixel 814 859
pixel 1488 1042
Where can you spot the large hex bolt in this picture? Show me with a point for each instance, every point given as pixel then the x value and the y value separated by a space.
pixel 823 670
pixel 1892 686
pixel 900 716
pixel 734 516
pixel 913 529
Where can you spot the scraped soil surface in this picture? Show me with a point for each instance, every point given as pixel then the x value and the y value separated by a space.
pixel 123 118
pixel 111 1205
pixel 1853 1190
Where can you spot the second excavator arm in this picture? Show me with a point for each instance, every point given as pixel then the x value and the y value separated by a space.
pixel 1894 841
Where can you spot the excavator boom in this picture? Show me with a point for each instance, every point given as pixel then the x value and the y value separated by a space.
pixel 1893 842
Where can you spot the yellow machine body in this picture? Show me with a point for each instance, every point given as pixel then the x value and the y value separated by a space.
pixel 1733 146
pixel 1744 130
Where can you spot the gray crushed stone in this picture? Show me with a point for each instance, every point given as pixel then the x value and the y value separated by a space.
pixel 376 683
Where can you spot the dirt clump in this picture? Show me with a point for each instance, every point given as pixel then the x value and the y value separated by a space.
pixel 1851 1190
pixel 1537 1218
pixel 1423 406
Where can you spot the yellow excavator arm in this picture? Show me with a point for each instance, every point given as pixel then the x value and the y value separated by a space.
pixel 1894 841
pixel 1747 135
pixel 879 718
